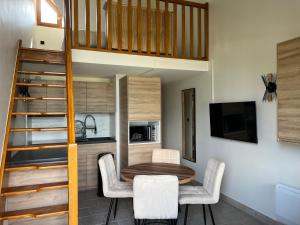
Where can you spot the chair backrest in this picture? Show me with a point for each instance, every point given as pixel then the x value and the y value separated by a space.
pixel 108 173
pixel 166 156
pixel 155 197
pixel 213 178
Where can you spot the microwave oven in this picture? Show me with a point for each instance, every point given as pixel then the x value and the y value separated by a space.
pixel 141 133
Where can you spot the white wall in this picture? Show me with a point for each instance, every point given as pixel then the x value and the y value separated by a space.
pixel 53 38
pixel 16 21
pixel 244 37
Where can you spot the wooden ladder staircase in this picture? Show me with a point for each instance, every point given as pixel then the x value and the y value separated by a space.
pixel 44 192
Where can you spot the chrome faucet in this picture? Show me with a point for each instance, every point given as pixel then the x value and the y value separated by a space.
pixel 94 121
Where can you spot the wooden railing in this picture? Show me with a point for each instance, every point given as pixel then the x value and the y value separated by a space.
pixel 163 28
pixel 72 146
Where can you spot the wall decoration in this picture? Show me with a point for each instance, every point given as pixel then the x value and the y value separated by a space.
pixel 271 87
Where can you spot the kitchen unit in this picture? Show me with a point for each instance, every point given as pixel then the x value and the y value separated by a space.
pixel 87 160
pixel 94 97
pixel 140 118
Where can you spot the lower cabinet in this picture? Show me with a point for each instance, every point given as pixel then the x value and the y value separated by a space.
pixel 88 164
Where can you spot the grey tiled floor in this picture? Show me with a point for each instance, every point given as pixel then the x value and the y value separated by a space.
pixel 92 211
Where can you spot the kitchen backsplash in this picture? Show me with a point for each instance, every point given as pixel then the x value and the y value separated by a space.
pixel 105 123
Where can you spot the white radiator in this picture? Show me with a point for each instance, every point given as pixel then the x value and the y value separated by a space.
pixel 288 204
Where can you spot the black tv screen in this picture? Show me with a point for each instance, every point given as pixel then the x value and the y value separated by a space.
pixel 235 121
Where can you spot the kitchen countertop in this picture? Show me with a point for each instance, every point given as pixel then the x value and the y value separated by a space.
pixel 98 140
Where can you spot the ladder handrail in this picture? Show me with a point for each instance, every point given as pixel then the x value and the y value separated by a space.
pixel 9 116
pixel 72 148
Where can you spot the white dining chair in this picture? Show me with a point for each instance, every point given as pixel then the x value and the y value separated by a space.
pixel 155 197
pixel 112 187
pixel 166 156
pixel 207 194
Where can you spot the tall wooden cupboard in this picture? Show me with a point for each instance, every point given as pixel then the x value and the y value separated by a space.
pixel 288 69
pixel 140 100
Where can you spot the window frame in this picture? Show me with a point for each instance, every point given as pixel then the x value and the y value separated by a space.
pixel 59 23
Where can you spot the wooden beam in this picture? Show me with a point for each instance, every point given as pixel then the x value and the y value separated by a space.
pixel 98 23
pixel 175 51
pixel 191 32
pixel 139 24
pixel 199 34
pixel 76 23
pixel 73 184
pixel 158 27
pixel 119 10
pixel 9 117
pixel 207 32
pixel 167 32
pixel 109 25
pixel 87 24
pixel 129 20
pixel 148 27
pixel 183 54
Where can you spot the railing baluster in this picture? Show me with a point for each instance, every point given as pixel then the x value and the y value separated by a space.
pixel 87 24
pixel 119 10
pixel 139 25
pixel 157 27
pixel 98 23
pixel 109 33
pixel 76 23
pixel 129 23
pixel 199 34
pixel 183 33
pixel 206 33
pixel 175 30
pixel 191 32
pixel 148 27
pixel 166 27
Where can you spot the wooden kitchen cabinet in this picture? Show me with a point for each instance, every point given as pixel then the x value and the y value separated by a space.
pixel 50 92
pixel 79 89
pixel 56 92
pixel 88 164
pixel 140 100
pixel 100 97
pixel 144 98
pixel 94 97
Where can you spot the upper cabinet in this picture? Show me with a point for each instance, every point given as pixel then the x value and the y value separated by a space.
pixel 94 97
pixel 288 69
pixel 144 98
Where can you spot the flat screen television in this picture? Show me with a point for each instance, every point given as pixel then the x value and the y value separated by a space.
pixel 234 120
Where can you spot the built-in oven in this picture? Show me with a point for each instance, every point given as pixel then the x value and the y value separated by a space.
pixel 140 133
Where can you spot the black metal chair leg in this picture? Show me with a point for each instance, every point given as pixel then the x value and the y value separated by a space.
pixel 211 215
pixel 186 213
pixel 109 211
pixel 204 214
pixel 116 208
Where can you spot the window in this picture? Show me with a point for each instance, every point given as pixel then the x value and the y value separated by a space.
pixel 48 14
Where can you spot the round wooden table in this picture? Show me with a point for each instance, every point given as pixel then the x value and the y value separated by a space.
pixel 184 173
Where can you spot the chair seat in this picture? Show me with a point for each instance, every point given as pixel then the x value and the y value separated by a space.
pixel 195 195
pixel 120 190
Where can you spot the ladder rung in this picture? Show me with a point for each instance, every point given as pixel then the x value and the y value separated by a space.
pixel 41 73
pixel 20 190
pixel 39 98
pixel 36 166
pixel 43 61
pixel 42 212
pixel 35 147
pixel 42 50
pixel 39 129
pixel 42 85
pixel 39 114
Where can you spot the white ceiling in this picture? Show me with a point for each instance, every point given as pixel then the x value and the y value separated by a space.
pixel 109 71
